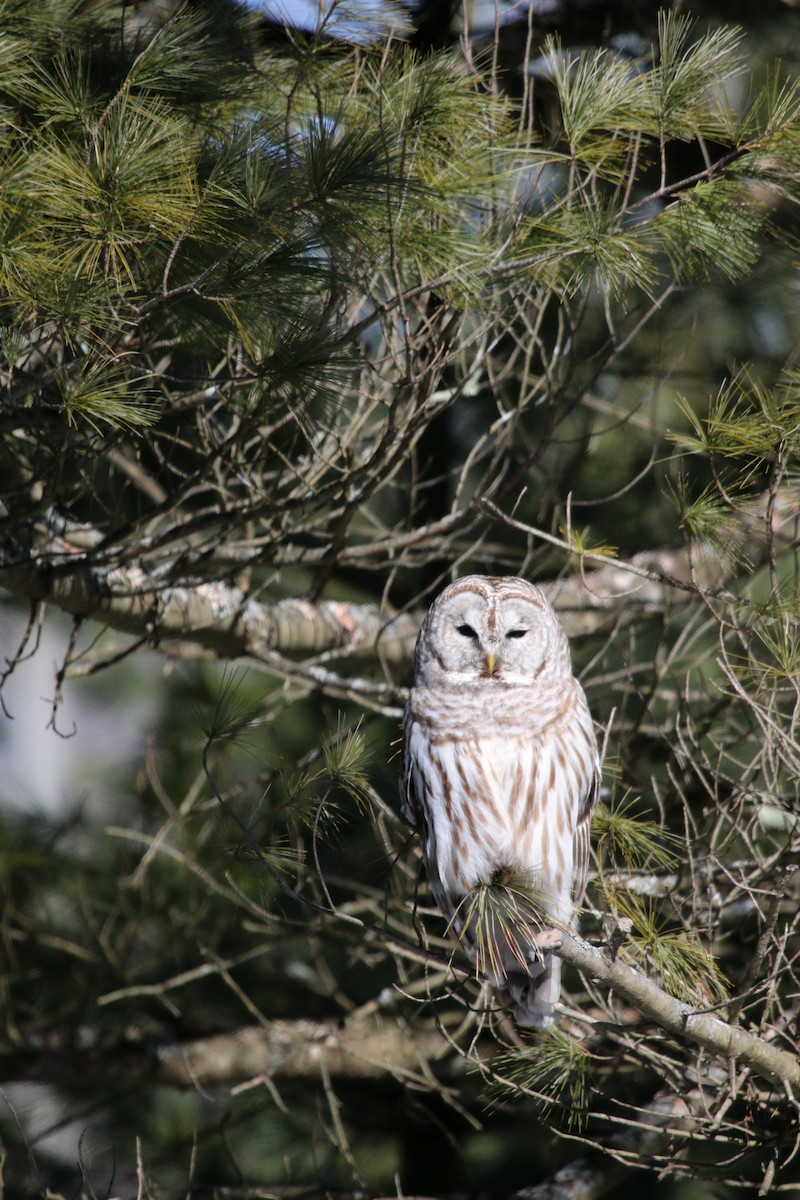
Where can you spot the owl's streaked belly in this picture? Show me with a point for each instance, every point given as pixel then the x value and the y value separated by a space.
pixel 499 803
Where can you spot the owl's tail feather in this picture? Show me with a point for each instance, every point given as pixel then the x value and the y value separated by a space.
pixel 535 996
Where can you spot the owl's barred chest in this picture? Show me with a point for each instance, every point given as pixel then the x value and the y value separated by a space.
pixel 504 797
pixel 496 709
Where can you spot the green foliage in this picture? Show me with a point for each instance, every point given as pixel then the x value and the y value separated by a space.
pixel 243 233
pixel 711 518
pixel 639 842
pixel 681 964
pixel 678 92
pixel 580 544
pixel 97 393
pixel 747 420
pixel 497 918
pixel 301 795
pixel 230 711
pixel 775 653
pixel 597 93
pixel 347 757
pixel 669 953
pixel 688 89
pixel 556 1069
pixel 710 229
pixel 239 234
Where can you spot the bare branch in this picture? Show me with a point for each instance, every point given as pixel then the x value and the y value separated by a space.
pixel 363 1047
pixel 217 616
pixel 724 1041
pixel 360 1049
pixel 230 623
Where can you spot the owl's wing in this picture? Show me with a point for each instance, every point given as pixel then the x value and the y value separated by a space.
pixel 580 839
pixel 415 809
pixel 410 807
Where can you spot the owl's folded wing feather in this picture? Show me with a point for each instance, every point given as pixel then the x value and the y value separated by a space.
pixel 580 839
pixel 410 807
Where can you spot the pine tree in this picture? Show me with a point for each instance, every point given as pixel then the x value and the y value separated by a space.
pixel 294 330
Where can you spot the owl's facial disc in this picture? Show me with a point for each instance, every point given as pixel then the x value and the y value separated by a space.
pixel 489 629
pixel 484 640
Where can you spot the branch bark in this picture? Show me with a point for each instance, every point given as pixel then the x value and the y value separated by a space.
pixel 215 616
pixel 371 1047
pixel 362 1048
pixel 723 1041
pixel 229 623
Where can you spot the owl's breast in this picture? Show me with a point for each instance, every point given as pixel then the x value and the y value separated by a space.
pixel 497 801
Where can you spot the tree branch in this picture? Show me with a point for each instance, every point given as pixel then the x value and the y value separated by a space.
pixel 371 1047
pixel 229 623
pixel 615 591
pixel 720 1039
pixel 361 1048
pixel 366 1048
pixel 216 616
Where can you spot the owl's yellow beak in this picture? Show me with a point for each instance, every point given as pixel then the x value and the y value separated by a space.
pixel 490 663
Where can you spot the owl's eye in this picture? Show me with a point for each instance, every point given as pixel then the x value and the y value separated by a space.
pixel 516 633
pixel 466 631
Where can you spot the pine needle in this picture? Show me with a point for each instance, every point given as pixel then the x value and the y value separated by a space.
pixel 347 756
pixel 681 965
pixel 639 841
pixel 555 1068
pixel 101 394
pixel 498 918
pixel 231 710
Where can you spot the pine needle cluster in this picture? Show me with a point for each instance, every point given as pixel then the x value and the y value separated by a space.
pixel 498 919
pixel 555 1069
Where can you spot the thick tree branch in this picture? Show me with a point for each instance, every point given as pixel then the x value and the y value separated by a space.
pixel 229 623
pixel 373 1047
pixel 216 616
pixel 720 1039
pixel 370 1047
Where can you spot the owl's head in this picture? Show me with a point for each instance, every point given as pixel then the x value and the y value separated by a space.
pixel 484 627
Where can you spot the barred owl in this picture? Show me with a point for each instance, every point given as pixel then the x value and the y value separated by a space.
pixel 500 776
